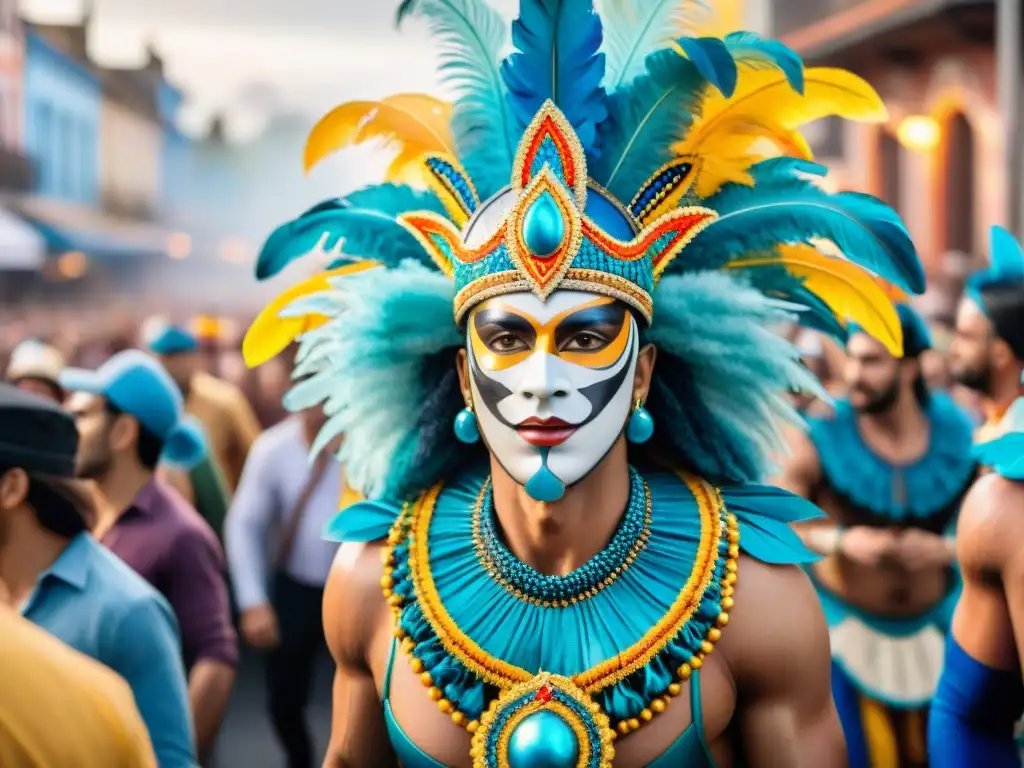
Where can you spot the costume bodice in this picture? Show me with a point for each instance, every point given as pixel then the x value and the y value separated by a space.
pixel 690 749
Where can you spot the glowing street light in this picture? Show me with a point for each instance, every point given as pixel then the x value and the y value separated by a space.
pixel 919 133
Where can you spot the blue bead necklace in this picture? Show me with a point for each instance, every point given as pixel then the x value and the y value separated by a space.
pixel 586 581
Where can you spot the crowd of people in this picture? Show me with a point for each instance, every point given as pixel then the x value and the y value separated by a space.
pixel 121 488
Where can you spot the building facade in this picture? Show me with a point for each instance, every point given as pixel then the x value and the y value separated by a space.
pixel 62 115
pixel 131 144
pixel 940 160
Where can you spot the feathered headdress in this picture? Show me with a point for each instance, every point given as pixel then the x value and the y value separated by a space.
pixel 619 157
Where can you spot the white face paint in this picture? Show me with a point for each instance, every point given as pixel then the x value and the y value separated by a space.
pixel 552 383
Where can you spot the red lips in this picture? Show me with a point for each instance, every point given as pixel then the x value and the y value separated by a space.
pixel 545 433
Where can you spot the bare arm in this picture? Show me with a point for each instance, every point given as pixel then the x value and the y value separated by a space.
pixel 989 619
pixel 353 610
pixel 801 470
pixel 209 689
pixel 777 646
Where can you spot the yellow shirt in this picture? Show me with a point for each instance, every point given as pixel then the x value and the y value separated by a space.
pixel 230 422
pixel 61 709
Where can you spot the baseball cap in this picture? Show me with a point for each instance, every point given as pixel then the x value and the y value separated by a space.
pixel 32 359
pixel 172 340
pixel 136 384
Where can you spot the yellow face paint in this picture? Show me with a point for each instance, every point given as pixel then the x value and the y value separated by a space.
pixel 503 336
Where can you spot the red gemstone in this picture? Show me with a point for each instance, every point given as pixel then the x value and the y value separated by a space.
pixel 543 694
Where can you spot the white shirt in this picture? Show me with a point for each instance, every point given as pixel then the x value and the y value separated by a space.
pixel 275 474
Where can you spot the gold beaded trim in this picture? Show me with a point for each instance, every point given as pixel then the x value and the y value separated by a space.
pixel 638 546
pixel 549 122
pixel 607 735
pixel 414 522
pixel 660 704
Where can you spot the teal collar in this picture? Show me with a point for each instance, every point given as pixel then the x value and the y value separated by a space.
pixel 920 490
pixel 626 644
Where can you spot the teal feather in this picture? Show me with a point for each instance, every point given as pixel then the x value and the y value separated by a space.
pixel 751 49
pixel 475 35
pixel 634 29
pixel 720 376
pixel 363 521
pixel 779 283
pixel 1005 453
pixel 372 367
pixel 784 206
pixel 713 61
pixel 765 514
pixel 644 120
pixel 557 57
pixel 1006 264
pixel 360 223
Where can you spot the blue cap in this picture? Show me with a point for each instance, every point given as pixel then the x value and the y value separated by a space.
pixel 172 340
pixel 138 385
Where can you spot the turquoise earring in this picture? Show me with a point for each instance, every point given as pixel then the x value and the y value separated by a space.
pixel 640 426
pixel 466 429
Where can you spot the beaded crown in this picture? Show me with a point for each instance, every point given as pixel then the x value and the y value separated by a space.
pixel 552 235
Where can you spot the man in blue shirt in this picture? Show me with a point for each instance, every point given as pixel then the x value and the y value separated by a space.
pixel 60 578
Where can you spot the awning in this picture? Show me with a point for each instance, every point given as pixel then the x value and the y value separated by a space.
pixel 66 227
pixel 21 246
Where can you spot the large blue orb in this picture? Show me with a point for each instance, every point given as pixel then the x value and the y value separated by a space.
pixel 543 740
pixel 543 226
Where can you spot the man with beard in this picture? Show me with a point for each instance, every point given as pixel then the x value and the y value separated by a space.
pixel 61 579
pixel 890 469
pixel 130 417
pixel 987 353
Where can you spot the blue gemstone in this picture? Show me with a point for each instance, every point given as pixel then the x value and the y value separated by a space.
pixel 543 740
pixel 640 427
pixel 543 226
pixel 466 429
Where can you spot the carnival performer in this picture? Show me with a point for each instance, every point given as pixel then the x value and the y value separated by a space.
pixel 980 697
pixel 558 391
pixel 890 467
pixel 987 353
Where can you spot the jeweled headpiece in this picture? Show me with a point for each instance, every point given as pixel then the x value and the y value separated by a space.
pixel 612 154
pixel 557 229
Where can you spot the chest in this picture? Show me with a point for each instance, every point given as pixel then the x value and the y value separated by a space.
pixel 667 741
pixel 143 545
pixel 847 510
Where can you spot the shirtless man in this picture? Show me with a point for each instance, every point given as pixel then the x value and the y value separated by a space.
pixel 890 469
pixel 980 697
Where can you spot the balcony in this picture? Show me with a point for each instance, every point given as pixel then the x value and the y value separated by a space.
pixel 17 172
pixel 128 206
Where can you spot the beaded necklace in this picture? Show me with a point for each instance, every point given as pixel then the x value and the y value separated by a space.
pixel 584 582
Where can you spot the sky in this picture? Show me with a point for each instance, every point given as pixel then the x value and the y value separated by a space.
pixel 254 58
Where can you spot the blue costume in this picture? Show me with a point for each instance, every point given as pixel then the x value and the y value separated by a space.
pixel 627 171
pixel 884 669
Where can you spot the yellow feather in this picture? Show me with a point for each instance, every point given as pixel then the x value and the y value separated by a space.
pixel 270 333
pixel 765 107
pixel 852 293
pixel 411 122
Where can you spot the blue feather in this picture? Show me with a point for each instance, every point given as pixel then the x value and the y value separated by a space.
pixel 644 120
pixel 1006 263
pixel 634 29
pixel 785 207
pixel 557 58
pixel 475 35
pixel 364 221
pixel 779 283
pixel 1005 453
pixel 751 49
pixel 713 60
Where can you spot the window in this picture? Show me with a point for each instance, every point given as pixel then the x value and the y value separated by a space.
pixel 71 161
pixel 44 148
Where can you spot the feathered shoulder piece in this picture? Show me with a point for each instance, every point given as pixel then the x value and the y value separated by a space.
pixel 1005 264
pixel 610 153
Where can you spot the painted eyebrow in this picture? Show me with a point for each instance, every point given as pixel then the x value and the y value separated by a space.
pixel 608 314
pixel 503 319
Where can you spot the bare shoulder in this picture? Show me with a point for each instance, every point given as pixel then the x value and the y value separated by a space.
pixel 776 617
pixel 354 602
pixel 990 531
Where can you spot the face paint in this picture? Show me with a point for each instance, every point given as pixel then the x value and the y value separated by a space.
pixel 552 383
